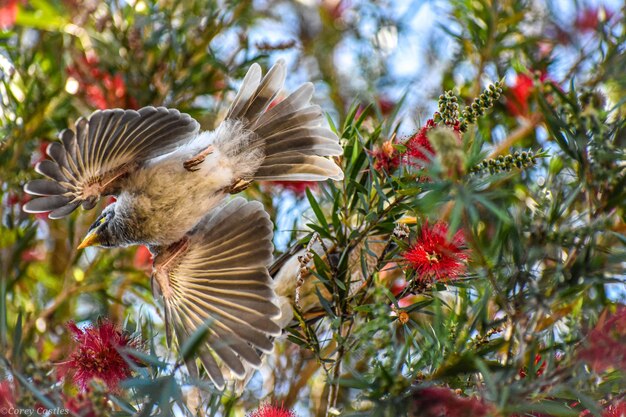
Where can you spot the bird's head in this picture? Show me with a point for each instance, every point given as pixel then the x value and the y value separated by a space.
pixel 103 232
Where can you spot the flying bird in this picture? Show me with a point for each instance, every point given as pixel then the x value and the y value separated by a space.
pixel 171 182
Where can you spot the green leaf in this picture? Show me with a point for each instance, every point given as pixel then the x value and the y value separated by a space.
pixel 317 210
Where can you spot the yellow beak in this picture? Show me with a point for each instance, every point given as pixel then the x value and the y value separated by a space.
pixel 89 240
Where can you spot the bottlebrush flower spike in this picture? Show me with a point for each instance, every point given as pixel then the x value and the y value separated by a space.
pixel 434 256
pixel 418 146
pixel 97 354
pixel 269 410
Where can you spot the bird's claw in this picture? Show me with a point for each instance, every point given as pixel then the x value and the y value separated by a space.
pixel 238 186
pixel 191 164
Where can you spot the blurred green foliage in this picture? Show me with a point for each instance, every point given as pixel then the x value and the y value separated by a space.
pixel 545 239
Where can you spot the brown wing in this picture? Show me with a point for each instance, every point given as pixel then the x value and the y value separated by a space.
pixel 87 164
pixel 220 280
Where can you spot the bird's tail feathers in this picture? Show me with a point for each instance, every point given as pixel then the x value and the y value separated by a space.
pixel 290 134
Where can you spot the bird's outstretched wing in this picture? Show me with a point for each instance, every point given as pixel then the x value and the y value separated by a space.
pixel 88 163
pixel 217 277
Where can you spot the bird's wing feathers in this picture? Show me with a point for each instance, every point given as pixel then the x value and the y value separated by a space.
pixel 86 164
pixel 221 281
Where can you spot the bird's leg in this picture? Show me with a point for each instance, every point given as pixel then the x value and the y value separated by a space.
pixel 192 163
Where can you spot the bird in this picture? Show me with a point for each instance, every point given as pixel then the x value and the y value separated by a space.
pixel 172 184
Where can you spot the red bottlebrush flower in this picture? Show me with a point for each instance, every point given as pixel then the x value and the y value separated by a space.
pixel 519 94
pixel 418 145
pixel 386 158
pixel 101 89
pixel 143 259
pixel 589 19
pixel 8 13
pixel 606 344
pixel 538 361
pixel 434 256
pixel 81 405
pixel 438 401
pixel 6 394
pixel 615 410
pixel 419 149
pixel 269 410
pixel 385 105
pixel 296 187
pixel 97 354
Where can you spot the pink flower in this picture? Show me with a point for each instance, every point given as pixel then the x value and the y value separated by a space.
pixel 605 346
pixel 269 410
pixel 438 401
pixel 97 354
pixel 434 256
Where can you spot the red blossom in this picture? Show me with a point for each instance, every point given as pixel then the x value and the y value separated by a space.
pixel 269 410
pixel 439 401
pixel 385 105
pixel 538 361
pixel 518 95
pixel 434 256
pixel 7 399
pixel 419 149
pixel 418 145
pixel 588 19
pixel 605 346
pixel 386 158
pixel 615 410
pixel 8 13
pixel 297 187
pixel 97 354
pixel 143 259
pixel 101 89
pixel 81 405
